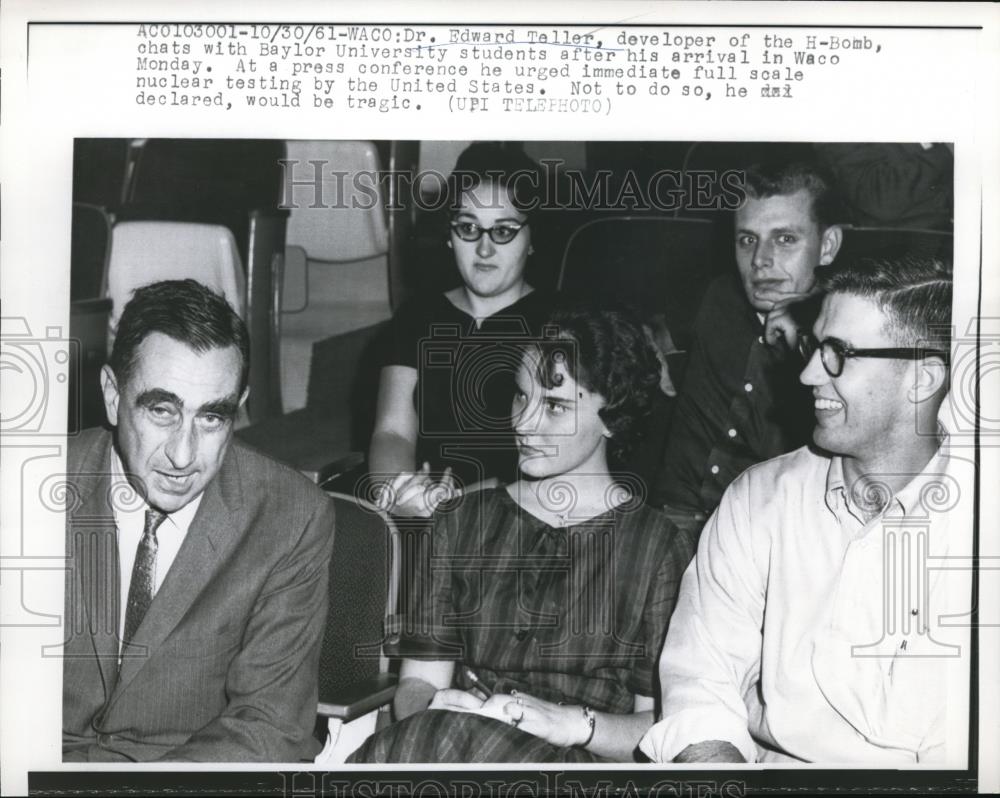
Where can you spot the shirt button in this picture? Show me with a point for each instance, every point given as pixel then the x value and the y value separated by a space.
pixel 760 339
pixel 748 387
pixel 521 634
pixel 105 739
pixel 714 469
pixel 732 433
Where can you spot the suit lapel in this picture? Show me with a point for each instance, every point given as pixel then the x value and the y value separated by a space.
pixel 214 532
pixel 93 545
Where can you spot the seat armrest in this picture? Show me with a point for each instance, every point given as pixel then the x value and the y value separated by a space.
pixel 359 699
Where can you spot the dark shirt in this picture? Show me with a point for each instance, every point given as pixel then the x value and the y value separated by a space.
pixel 575 613
pixel 741 403
pixel 465 381
pixel 643 462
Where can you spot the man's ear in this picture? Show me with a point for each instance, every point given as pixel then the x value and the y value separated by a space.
pixel 830 243
pixel 930 377
pixel 109 388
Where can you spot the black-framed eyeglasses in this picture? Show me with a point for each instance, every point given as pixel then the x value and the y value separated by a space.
pixel 833 353
pixel 502 233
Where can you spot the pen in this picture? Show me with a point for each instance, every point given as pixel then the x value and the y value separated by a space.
pixel 477 684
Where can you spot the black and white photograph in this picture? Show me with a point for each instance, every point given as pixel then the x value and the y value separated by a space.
pixel 524 452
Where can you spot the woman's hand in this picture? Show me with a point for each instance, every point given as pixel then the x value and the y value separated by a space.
pixel 456 701
pixel 405 494
pixel 561 725
pixel 415 494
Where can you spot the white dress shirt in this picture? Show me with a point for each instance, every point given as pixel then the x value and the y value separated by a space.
pixel 805 632
pixel 130 520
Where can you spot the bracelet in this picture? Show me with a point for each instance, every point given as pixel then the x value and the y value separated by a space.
pixel 591 719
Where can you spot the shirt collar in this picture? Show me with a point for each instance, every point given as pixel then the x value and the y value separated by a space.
pixel 906 501
pixel 911 497
pixel 835 491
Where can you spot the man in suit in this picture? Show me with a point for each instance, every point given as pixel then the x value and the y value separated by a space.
pixel 197 589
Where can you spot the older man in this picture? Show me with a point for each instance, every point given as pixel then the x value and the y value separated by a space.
pixel 196 597
pixel 741 402
pixel 818 622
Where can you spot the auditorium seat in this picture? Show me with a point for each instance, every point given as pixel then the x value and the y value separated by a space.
pixel 235 183
pixel 336 270
pixel 89 250
pixel 100 169
pixel 146 252
pixel 212 181
pixel 329 436
pixel 354 677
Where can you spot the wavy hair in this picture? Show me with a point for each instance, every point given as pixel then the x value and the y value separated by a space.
pixel 186 311
pixel 610 355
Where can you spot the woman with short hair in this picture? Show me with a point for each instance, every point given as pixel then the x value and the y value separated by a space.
pixel 536 620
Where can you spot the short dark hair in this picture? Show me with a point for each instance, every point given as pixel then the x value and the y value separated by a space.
pixel 505 166
pixel 184 310
pixel 773 179
pixel 612 356
pixel 913 291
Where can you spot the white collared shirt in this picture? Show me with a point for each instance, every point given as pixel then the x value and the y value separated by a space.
pixel 130 520
pixel 804 632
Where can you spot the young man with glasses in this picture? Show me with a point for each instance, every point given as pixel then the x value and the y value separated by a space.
pixel 741 402
pixel 809 626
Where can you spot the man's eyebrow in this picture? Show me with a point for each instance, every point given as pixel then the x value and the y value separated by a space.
pixel 155 396
pixel 225 407
pixel 785 228
pixel 560 400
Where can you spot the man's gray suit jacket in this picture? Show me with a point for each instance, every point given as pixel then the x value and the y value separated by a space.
pixel 224 665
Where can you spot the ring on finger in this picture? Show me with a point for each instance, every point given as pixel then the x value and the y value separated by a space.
pixel 516 721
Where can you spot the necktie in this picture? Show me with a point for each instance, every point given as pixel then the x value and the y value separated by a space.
pixel 140 589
